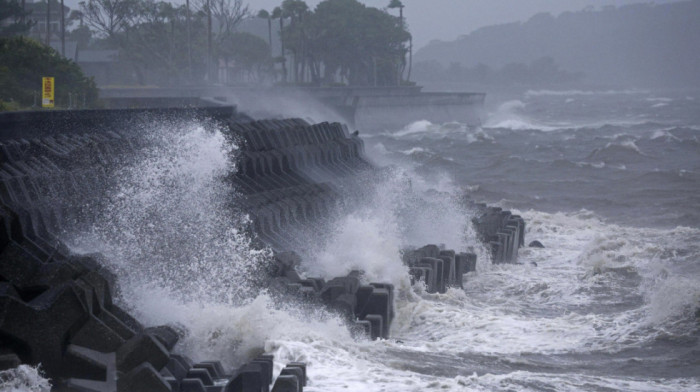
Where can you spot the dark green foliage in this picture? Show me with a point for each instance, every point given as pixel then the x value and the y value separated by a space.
pixel 348 40
pixel 23 62
pixel 395 4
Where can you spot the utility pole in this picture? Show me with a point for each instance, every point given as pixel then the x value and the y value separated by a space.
pixel 284 58
pixel 209 59
pixel 410 58
pixel 48 22
pixel 63 31
pixel 189 42
pixel 398 4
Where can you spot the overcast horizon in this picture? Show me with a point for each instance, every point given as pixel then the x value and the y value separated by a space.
pixel 447 20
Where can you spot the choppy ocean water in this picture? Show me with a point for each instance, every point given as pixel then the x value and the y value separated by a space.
pixel 608 181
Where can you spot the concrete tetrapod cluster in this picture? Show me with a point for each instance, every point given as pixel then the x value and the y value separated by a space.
pixel 56 307
pixel 293 176
pixel 503 232
pixel 438 268
pixel 368 308
pixel 56 310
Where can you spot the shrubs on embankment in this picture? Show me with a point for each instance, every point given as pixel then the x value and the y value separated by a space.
pixel 24 61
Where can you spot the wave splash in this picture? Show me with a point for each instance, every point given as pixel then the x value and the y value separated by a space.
pixel 184 257
pixel 24 378
pixel 511 115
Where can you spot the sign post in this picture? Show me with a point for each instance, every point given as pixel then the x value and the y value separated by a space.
pixel 47 92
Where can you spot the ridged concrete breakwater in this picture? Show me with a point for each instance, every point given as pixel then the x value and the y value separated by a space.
pixel 502 231
pixel 293 176
pixel 57 308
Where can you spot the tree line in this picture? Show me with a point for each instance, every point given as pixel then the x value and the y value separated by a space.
pixel 342 42
pixel 24 61
pixel 338 42
pixel 166 44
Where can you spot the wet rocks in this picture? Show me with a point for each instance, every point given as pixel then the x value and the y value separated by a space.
pixel 56 307
pixel 368 308
pixel 291 379
pixel 535 244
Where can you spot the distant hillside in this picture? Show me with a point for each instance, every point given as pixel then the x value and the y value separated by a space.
pixel 641 45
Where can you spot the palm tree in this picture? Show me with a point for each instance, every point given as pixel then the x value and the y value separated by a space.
pixel 263 14
pixel 398 4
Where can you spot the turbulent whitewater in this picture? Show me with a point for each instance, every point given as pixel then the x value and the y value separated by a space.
pixel 608 181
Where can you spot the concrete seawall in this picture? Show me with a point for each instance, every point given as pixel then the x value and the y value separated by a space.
pixel 364 108
pixel 56 306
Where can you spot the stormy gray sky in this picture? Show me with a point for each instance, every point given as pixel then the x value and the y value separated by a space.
pixel 448 19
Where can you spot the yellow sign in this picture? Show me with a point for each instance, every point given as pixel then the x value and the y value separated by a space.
pixel 47 92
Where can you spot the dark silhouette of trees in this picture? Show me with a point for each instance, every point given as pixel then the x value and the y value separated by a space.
pixel 263 14
pixel 108 17
pixel 13 18
pixel 24 61
pixel 344 41
pixel 163 43
pixel 250 55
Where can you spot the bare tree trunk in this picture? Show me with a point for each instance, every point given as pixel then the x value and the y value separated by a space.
pixel 269 33
pixel 374 68
pixel 171 52
pixel 226 71
pixel 295 67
